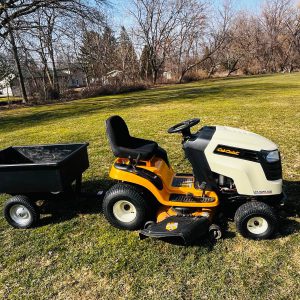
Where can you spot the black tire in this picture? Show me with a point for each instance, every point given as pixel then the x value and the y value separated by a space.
pixel 126 193
pixel 149 224
pixel 256 220
pixel 215 232
pixel 21 205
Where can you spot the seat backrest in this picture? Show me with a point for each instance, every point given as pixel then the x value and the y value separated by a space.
pixel 117 133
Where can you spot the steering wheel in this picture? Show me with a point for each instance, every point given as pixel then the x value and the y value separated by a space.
pixel 184 127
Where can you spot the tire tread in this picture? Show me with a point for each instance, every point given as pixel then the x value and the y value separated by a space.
pixel 255 208
pixel 129 191
pixel 23 200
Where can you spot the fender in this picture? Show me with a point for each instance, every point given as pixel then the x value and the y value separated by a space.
pixel 150 180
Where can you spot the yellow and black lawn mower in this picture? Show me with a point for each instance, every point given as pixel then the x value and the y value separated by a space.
pixel 236 173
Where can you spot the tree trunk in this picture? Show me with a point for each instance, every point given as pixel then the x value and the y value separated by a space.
pixel 184 71
pixel 155 76
pixel 233 68
pixel 211 71
pixel 55 75
pixel 17 60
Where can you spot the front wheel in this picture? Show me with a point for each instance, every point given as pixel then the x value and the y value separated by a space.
pixel 256 220
pixel 20 212
pixel 125 207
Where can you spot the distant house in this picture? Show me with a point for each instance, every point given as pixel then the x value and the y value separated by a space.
pixel 72 76
pixel 69 77
pixel 112 77
pixel 167 75
pixel 6 86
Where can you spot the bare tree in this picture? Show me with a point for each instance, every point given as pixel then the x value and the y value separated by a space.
pixel 157 22
pixel 239 51
pixel 5 66
pixel 216 35
pixel 127 57
pixel 191 29
pixel 98 54
pixel 15 15
pixel 274 16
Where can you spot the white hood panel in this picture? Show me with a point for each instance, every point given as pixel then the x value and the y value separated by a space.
pixel 247 175
pixel 239 138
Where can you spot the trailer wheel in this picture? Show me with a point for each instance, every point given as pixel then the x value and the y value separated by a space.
pixel 256 220
pixel 20 212
pixel 125 207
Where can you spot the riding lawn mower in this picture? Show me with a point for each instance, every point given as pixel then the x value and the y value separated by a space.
pixel 236 175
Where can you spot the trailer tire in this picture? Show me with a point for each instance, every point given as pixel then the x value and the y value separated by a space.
pixel 125 207
pixel 256 220
pixel 21 212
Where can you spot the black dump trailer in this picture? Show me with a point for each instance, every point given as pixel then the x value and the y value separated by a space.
pixel 30 173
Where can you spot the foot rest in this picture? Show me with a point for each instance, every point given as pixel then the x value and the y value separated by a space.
pixel 182 181
pixel 190 198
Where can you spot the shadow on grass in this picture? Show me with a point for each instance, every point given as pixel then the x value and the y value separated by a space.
pixel 190 92
pixel 291 209
pixel 67 207
pixel 292 190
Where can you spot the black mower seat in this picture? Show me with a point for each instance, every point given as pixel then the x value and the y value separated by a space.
pixel 124 145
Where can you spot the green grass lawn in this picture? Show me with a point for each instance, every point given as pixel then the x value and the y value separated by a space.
pixel 75 254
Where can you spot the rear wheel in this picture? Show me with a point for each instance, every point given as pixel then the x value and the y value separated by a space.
pixel 125 207
pixel 20 212
pixel 256 220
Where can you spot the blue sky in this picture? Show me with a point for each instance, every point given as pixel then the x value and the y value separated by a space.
pixel 253 5
pixel 120 16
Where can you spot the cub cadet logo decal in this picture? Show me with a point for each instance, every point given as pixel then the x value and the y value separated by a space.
pixel 172 226
pixel 228 151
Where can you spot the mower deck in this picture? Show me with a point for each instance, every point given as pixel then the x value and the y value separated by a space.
pixel 187 229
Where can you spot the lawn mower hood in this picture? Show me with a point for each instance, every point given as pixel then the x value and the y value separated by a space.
pixel 251 161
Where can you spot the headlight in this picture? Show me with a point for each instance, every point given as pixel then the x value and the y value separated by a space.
pixel 272 156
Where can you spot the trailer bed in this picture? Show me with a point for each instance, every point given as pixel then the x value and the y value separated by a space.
pixel 41 168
